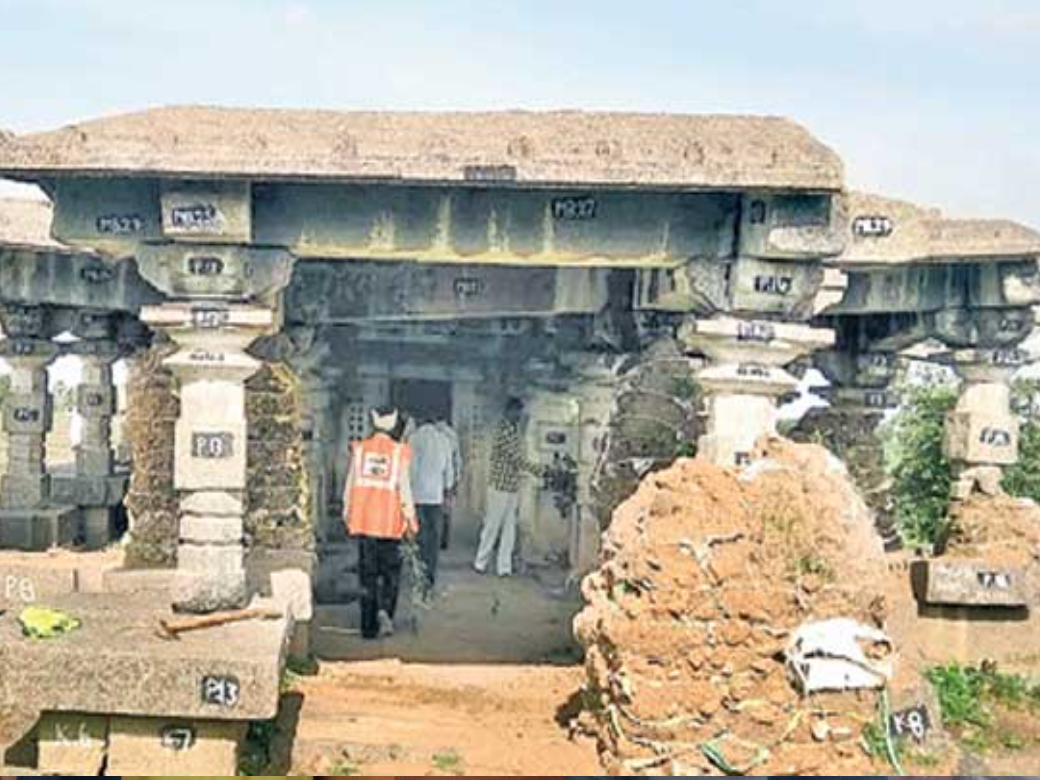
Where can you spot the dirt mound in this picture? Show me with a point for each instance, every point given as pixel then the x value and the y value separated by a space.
pixel 998 529
pixel 707 572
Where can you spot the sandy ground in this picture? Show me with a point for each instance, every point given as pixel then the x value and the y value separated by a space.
pixel 393 718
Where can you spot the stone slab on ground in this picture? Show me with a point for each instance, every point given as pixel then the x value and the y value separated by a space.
pixel 39 528
pixel 968 583
pixel 158 747
pixel 116 664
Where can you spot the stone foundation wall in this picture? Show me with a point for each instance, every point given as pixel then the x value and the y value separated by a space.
pixel 277 499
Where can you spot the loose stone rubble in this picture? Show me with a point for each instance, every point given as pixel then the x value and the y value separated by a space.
pixel 707 572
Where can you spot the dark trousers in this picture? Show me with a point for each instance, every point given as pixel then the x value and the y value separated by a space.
pixel 431 516
pixel 446 530
pixel 379 568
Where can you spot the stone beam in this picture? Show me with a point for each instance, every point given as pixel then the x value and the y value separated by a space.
pixel 332 292
pixel 473 225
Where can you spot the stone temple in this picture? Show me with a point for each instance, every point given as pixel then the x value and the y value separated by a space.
pixel 651 285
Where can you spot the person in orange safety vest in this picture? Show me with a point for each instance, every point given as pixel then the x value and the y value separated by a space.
pixel 379 511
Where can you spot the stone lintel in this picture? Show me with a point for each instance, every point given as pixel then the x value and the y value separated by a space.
pixel 968 583
pixel 122 667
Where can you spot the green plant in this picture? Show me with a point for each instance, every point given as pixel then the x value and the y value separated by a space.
pixel 256 753
pixel 1022 479
pixel 920 472
pixel 971 698
pixel 344 767
pixel 448 761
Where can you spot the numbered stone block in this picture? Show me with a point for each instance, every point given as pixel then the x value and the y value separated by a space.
pixel 208 211
pixel 792 226
pixel 965 583
pixel 27 413
pixel 96 400
pixel 210 456
pixel 26 584
pixel 982 438
pixel 160 747
pixel 213 270
pixel 72 744
pixel 774 287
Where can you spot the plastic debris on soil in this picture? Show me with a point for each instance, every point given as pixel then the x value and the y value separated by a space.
pixel 707 575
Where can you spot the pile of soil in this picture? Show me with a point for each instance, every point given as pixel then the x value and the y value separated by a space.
pixel 706 574
pixel 998 529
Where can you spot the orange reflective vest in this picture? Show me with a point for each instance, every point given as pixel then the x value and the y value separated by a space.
pixel 378 466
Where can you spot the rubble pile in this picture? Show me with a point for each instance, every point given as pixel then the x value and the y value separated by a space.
pixel 152 410
pixel 707 574
pixel 654 410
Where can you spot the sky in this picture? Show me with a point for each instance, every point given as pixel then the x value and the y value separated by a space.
pixel 933 101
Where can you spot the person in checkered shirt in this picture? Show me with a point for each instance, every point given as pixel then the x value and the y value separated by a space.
pixel 508 466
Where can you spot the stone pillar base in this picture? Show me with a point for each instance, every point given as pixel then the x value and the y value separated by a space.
pixel 982 432
pixel 745 378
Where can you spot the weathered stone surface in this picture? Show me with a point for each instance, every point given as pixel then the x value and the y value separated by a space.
pixel 98 526
pixel 140 581
pixel 39 528
pixel 161 747
pixel 72 744
pixel 121 666
pixel 214 503
pixel 211 529
pixel 89 491
pixel 966 583
pixel 294 588
pixel 986 438
pixel 23 490
pixel 204 592
pixel 22 583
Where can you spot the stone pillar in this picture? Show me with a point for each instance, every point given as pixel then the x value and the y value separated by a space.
pixel 96 406
pixel 744 379
pixel 28 415
pixel 211 366
pixel 982 431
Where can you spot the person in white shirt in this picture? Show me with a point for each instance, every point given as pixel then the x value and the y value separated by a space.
pixel 432 475
pixel 444 427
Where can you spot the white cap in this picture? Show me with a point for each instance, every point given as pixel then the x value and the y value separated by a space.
pixel 386 422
